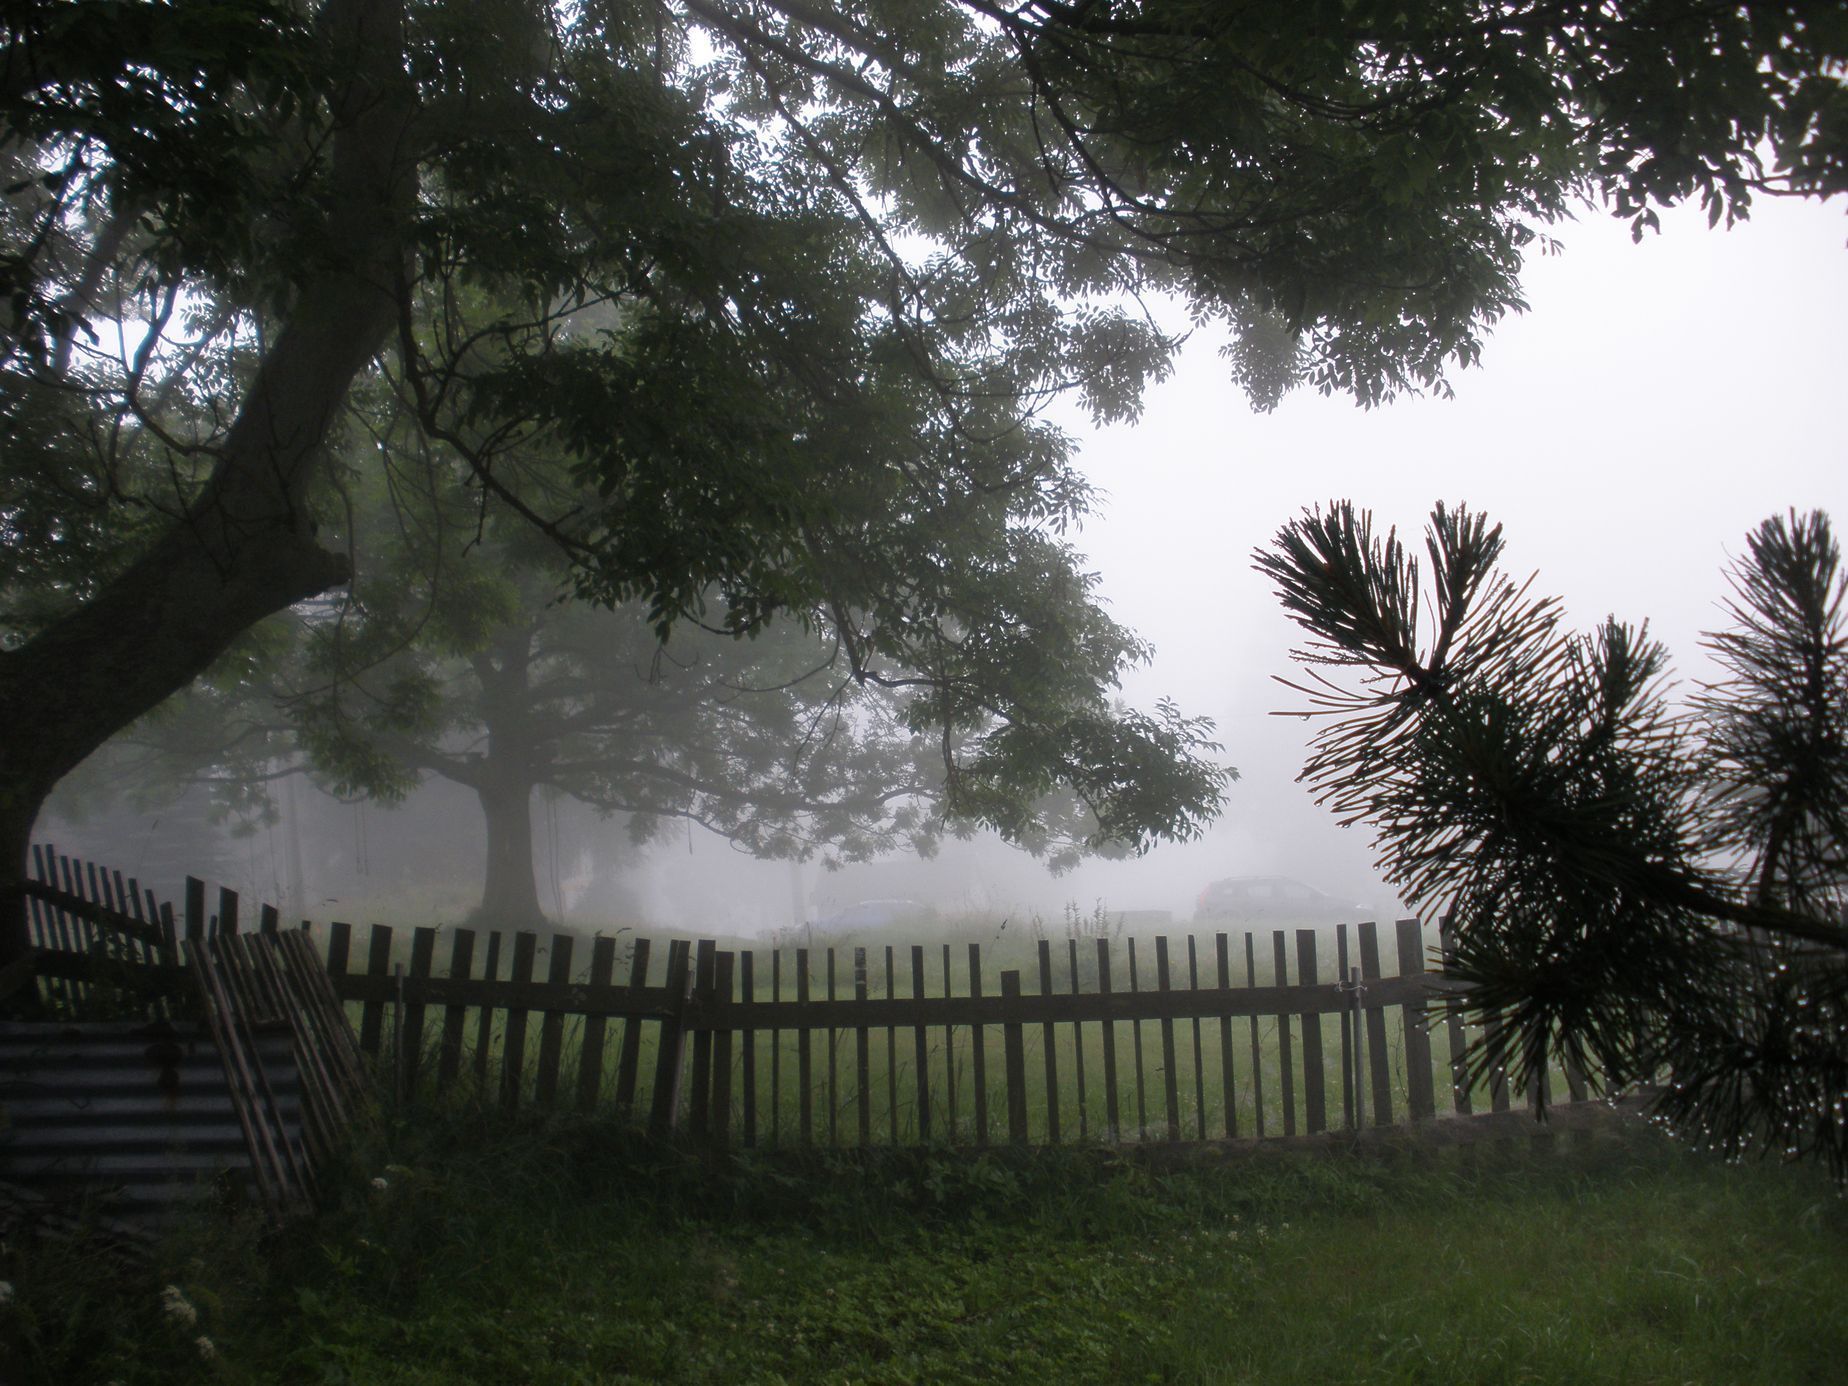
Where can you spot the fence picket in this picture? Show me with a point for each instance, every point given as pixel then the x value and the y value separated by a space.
pixel 552 1026
pixel 513 1042
pixel 663 1116
pixel 590 1053
pixel 1315 1097
pixel 1375 1019
pixel 1014 1052
pixel 455 1015
pixel 978 1055
pixel 1193 984
pixel 378 964
pixel 629 1056
pixel 1223 956
pixel 722 977
pixel 1286 1077
pixel 699 1099
pixel 1420 1095
pixel 484 1023
pixel 1170 1079
pixel 1112 1114
pixel 922 1047
pixel 747 1046
pixel 1049 1042
pixel 863 1097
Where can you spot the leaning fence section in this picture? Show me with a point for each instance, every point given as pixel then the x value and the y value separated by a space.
pixel 1198 1037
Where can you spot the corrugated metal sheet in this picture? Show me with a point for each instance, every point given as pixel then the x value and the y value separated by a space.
pixel 135 1115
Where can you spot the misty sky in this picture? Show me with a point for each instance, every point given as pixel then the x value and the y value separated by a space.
pixel 1656 402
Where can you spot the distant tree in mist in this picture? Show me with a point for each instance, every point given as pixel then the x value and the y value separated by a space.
pixel 1652 891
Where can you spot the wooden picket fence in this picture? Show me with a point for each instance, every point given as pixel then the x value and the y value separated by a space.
pixel 1232 1036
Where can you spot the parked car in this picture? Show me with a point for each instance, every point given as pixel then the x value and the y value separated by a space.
pixel 1273 900
pixel 874 915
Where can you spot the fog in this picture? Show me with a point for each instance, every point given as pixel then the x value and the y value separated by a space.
pixel 1656 402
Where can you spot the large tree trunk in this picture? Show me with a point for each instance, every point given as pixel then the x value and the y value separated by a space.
pixel 246 547
pixel 504 780
pixel 510 893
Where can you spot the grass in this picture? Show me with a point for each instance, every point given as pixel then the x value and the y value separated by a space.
pixel 555 1251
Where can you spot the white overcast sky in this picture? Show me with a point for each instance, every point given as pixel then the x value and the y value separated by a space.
pixel 1655 403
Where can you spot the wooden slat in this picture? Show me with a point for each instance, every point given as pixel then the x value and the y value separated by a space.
pixel 699 1095
pixel 195 907
pixel 1349 1073
pixel 1014 1051
pixel 1315 1096
pixel 513 1041
pixel 978 1051
pixel 1049 1041
pixel 227 910
pixel 268 920
pixel 1454 1032
pixel 590 1053
pixel 1421 1097
pixel 1257 1052
pixel 891 982
pixel 722 981
pixel 423 955
pixel 629 1055
pixel 1378 1061
pixel 747 1062
pixel 372 1013
pixel 1223 956
pixel 776 1049
pixel 1498 1076
pixel 862 1055
pixel 949 1053
pixel 664 1111
pixel 484 1020
pixel 552 1026
pixel 1171 1087
pixel 922 1046
pixel 1286 1066
pixel 805 1059
pixel 1084 1127
pixel 834 1068
pixel 1193 984
pixel 1135 1031
pixel 455 1015
pixel 1113 1120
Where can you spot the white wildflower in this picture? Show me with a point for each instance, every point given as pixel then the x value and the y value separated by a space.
pixel 173 1300
pixel 207 1350
pixel 379 1184
pixel 6 1292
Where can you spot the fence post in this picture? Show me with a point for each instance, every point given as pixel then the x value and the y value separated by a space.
pixel 661 1119
pixel 1375 1018
pixel 721 996
pixel 1315 1095
pixel 1419 1089
pixel 1453 1027
pixel 699 1101
pixel 1016 1061
pixel 1170 1079
pixel 378 964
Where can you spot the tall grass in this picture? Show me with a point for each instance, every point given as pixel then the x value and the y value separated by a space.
pixel 461 1246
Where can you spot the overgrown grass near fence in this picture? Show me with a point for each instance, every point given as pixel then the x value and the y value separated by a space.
pixel 462 1247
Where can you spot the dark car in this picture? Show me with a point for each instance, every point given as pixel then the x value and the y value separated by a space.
pixel 1272 900
pixel 875 915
